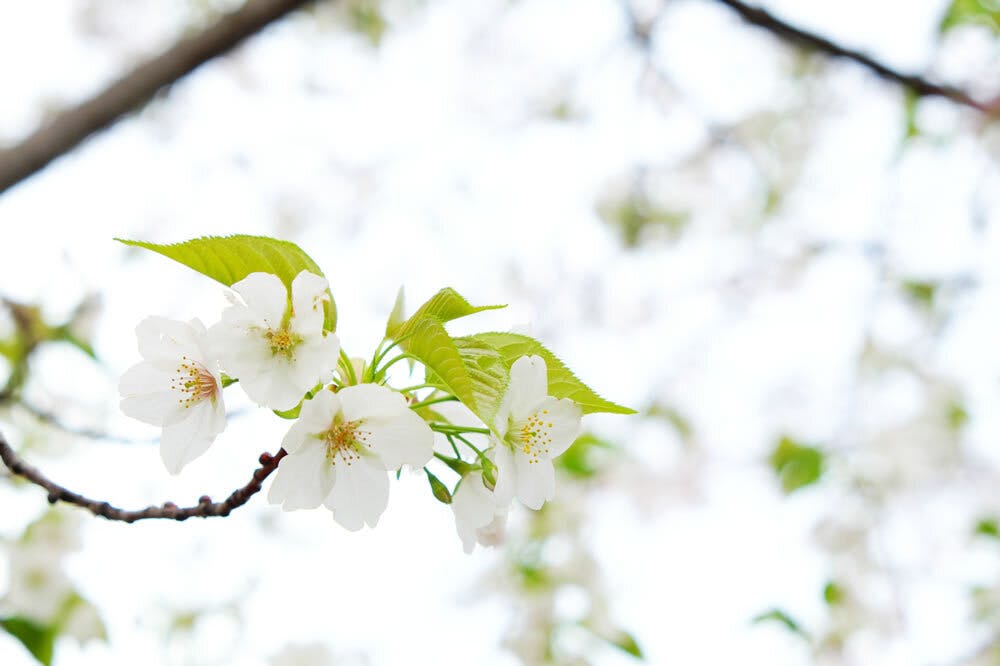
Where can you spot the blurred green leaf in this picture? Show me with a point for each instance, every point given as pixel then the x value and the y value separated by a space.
pixel 583 458
pixel 987 527
pixel 957 415
pixel 920 292
pixel 971 12
pixel 833 593
pixel 797 465
pixel 365 17
pixel 635 217
pixel 781 617
pixel 39 640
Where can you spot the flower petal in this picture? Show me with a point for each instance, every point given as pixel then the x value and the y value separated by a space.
pixel 474 508
pixel 400 439
pixel 315 360
pixel 308 295
pixel 187 439
pixel 316 417
pixel 147 397
pixel 367 400
pixel 565 416
pixel 506 481
pixel 265 295
pixel 360 494
pixel 536 480
pixel 303 478
pixel 528 386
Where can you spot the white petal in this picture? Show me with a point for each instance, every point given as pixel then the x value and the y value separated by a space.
pixel 315 360
pixel 274 386
pixel 536 480
pixel 474 508
pixel 146 395
pixel 163 341
pixel 308 295
pixel 528 386
pixel 367 400
pixel 360 494
pixel 565 416
pixel 303 478
pixel 400 439
pixel 265 294
pixel 316 417
pixel 506 473
pixel 185 440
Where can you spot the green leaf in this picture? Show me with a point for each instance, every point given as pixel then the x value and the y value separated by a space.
pixel 966 12
pixel 782 618
pixel 396 317
pixel 443 307
pixel 988 527
pixel 626 642
pixel 583 458
pixel 562 382
pixel 471 371
pixel 39 640
pixel 229 259
pixel 797 465
pixel 833 593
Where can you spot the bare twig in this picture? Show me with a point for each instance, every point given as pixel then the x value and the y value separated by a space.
pixel 128 93
pixel 918 84
pixel 205 508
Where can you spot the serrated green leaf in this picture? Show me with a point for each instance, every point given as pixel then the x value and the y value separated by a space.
pixel 444 306
pixel 38 639
pixel 562 382
pixel 229 259
pixel 797 465
pixel 464 369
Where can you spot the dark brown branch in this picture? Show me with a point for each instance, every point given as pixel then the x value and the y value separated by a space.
pixel 918 84
pixel 205 508
pixel 128 93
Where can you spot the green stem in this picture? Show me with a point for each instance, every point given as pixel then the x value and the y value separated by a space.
pixel 447 429
pixel 434 401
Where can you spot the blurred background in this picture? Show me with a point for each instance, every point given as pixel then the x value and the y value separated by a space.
pixel 787 264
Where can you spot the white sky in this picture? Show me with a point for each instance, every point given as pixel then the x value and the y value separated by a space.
pixel 430 162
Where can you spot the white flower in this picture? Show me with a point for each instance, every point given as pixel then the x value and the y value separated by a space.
pixel 531 428
pixel 278 353
pixel 478 518
pixel 340 449
pixel 177 387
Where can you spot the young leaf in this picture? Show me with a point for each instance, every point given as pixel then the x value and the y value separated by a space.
pixel 443 306
pixel 396 317
pixel 562 382
pixel 797 465
pixel 229 259
pixel 39 640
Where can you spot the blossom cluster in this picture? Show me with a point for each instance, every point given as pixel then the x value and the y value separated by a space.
pixel 351 429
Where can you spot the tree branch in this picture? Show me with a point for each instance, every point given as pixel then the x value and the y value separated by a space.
pixel 918 84
pixel 205 508
pixel 72 126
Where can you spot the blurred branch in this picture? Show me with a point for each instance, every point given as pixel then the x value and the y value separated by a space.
pixel 168 511
pixel 72 126
pixel 918 84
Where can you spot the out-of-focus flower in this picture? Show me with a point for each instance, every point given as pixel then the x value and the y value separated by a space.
pixel 278 349
pixel 176 386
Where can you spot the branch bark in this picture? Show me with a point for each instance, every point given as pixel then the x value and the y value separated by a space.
pixel 205 508
pixel 790 33
pixel 72 126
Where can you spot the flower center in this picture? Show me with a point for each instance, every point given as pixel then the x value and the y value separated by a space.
pixel 345 439
pixel 282 341
pixel 533 437
pixel 194 382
